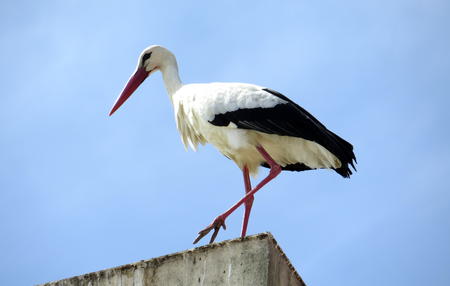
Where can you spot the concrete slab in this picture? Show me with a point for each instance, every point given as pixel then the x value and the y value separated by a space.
pixel 255 260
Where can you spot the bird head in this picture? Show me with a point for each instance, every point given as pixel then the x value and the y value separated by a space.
pixel 151 59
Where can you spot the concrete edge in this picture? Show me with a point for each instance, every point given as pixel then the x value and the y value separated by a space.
pixel 284 256
pixel 161 259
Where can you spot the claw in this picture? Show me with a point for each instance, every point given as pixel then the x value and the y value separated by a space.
pixel 216 224
pixel 201 234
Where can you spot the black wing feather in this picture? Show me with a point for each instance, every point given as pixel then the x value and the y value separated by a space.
pixel 290 119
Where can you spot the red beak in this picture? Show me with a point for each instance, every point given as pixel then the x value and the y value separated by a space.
pixel 133 83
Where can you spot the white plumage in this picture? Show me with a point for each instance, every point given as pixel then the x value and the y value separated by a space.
pixel 195 105
pixel 251 125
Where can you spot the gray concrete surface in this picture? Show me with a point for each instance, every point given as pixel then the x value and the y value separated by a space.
pixel 255 260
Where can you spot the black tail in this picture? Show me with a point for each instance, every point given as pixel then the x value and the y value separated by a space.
pixel 345 155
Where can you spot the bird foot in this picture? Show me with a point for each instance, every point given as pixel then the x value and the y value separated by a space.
pixel 216 224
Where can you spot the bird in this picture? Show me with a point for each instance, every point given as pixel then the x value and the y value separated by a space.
pixel 251 125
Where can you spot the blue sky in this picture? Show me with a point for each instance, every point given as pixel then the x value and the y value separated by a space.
pixel 80 191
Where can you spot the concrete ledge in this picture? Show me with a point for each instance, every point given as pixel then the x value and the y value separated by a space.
pixel 255 260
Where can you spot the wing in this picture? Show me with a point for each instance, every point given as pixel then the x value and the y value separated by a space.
pixel 286 118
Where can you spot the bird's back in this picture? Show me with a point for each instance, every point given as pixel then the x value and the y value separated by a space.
pixel 205 111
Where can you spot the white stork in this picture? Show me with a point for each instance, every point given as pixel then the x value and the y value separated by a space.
pixel 249 124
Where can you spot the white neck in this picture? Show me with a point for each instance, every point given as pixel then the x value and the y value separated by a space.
pixel 171 78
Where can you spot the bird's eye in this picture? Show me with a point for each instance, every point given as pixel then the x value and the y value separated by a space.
pixel 146 57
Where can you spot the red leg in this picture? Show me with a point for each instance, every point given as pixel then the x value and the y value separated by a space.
pixel 219 221
pixel 248 202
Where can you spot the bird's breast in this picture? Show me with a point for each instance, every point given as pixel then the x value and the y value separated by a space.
pixel 236 144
